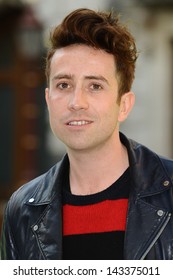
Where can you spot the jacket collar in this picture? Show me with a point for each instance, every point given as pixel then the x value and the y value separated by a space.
pixel 148 174
pixel 49 184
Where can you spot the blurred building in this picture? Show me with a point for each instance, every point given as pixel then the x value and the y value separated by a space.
pixel 151 122
pixel 22 111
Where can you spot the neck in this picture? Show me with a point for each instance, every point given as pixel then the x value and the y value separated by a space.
pixel 94 171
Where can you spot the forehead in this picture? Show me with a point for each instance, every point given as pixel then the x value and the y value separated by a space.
pixel 82 58
pixel 80 49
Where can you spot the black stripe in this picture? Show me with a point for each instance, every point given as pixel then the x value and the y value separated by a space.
pixel 97 246
pixel 119 189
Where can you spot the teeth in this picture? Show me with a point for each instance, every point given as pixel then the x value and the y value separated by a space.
pixel 78 123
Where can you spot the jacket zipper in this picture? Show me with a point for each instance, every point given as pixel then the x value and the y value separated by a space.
pixel 156 237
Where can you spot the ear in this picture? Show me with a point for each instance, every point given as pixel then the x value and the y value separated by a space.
pixel 126 105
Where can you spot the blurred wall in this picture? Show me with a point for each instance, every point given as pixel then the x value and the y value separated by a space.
pixel 151 121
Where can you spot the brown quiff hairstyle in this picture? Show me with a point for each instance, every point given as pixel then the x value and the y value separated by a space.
pixel 100 30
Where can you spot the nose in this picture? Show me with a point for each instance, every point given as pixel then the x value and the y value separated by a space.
pixel 78 101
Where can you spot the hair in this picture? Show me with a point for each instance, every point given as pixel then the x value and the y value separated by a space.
pixel 100 30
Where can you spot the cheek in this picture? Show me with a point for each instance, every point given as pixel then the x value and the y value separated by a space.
pixel 112 110
pixel 53 114
pixel 54 106
pixel 54 122
pixel 109 116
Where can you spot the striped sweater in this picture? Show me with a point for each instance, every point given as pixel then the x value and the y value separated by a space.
pixel 94 225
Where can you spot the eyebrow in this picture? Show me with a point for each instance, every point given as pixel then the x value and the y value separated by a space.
pixel 88 77
pixel 99 78
pixel 62 76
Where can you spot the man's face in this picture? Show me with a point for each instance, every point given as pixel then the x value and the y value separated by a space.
pixel 82 97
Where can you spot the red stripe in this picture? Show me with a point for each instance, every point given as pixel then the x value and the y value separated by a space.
pixel 109 215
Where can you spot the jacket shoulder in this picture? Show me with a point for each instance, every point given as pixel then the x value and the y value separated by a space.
pixel 40 188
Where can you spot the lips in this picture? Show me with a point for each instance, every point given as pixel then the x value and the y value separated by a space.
pixel 78 123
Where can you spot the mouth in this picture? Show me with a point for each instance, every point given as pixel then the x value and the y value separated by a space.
pixel 78 123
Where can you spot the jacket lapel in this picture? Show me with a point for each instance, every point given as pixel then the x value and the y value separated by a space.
pixel 145 224
pixel 47 201
pixel 48 232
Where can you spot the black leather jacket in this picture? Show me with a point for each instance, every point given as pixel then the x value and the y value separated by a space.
pixel 32 227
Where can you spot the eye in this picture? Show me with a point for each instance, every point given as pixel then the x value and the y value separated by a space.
pixel 96 87
pixel 63 86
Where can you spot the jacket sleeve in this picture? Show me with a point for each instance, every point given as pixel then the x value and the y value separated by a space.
pixel 8 249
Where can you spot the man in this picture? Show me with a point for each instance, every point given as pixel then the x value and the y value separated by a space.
pixel 109 197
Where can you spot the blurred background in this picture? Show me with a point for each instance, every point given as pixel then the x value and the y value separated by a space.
pixel 27 146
